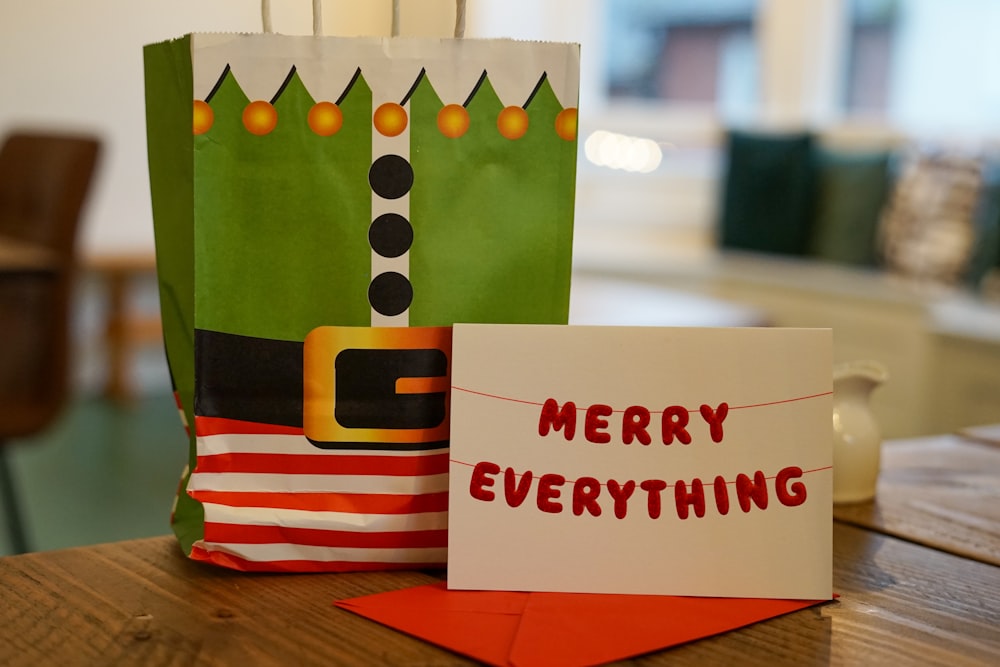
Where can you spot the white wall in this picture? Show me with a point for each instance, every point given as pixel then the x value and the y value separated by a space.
pixel 77 65
pixel 576 21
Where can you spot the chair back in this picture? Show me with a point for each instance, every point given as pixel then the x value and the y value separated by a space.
pixel 44 180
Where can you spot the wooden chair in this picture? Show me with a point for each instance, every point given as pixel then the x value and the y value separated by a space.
pixel 44 180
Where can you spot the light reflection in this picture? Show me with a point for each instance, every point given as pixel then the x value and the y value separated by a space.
pixel 620 151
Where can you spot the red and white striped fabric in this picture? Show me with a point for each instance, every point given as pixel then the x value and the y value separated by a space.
pixel 274 501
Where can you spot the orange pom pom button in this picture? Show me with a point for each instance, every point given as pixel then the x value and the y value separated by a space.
pixel 513 122
pixel 390 119
pixel 325 118
pixel 566 124
pixel 453 121
pixel 260 117
pixel 203 117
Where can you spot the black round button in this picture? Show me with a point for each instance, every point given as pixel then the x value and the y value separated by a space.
pixel 390 293
pixel 390 235
pixel 391 176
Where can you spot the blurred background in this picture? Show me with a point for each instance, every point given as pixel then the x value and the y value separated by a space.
pixel 693 115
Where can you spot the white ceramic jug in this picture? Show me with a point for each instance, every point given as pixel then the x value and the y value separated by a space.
pixel 857 439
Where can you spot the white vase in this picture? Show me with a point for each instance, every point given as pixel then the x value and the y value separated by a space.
pixel 857 439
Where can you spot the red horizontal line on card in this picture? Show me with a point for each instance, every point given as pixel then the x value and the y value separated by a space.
pixel 573 481
pixel 584 407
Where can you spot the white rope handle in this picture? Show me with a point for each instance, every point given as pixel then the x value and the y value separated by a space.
pixel 395 18
pixel 459 19
pixel 317 9
pixel 317 17
pixel 317 5
pixel 265 15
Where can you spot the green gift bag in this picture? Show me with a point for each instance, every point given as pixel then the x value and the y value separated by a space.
pixel 334 207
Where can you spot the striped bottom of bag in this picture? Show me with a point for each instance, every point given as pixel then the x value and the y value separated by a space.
pixel 275 502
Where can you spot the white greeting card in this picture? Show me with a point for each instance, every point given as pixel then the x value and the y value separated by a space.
pixel 668 461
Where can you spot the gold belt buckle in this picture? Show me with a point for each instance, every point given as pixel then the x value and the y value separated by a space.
pixel 377 387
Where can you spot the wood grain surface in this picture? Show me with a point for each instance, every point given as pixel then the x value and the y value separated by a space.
pixel 942 492
pixel 988 433
pixel 143 603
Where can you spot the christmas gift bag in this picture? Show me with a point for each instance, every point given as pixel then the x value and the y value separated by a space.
pixel 335 205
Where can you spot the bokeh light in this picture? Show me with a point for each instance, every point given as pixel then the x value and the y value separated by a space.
pixel 620 151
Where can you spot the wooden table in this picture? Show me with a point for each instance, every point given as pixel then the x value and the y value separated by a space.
pixel 917 572
pixel 941 492
pixel 988 433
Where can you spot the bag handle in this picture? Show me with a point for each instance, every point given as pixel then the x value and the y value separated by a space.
pixel 317 5
pixel 265 16
pixel 459 18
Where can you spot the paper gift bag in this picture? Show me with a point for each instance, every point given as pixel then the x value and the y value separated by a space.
pixel 335 205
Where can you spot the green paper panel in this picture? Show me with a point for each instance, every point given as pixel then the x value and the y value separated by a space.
pixel 281 236
pixel 492 216
pixel 168 85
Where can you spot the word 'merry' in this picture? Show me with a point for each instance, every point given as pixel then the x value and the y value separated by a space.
pixel 634 424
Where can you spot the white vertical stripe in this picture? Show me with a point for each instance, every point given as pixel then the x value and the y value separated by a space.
pixel 398 145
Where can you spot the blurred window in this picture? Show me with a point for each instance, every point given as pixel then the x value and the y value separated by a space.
pixel 922 66
pixel 871 29
pixel 684 51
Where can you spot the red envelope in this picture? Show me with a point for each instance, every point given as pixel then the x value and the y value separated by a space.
pixel 528 629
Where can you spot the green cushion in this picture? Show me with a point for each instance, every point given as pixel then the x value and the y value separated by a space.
pixel 986 251
pixel 768 191
pixel 852 188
